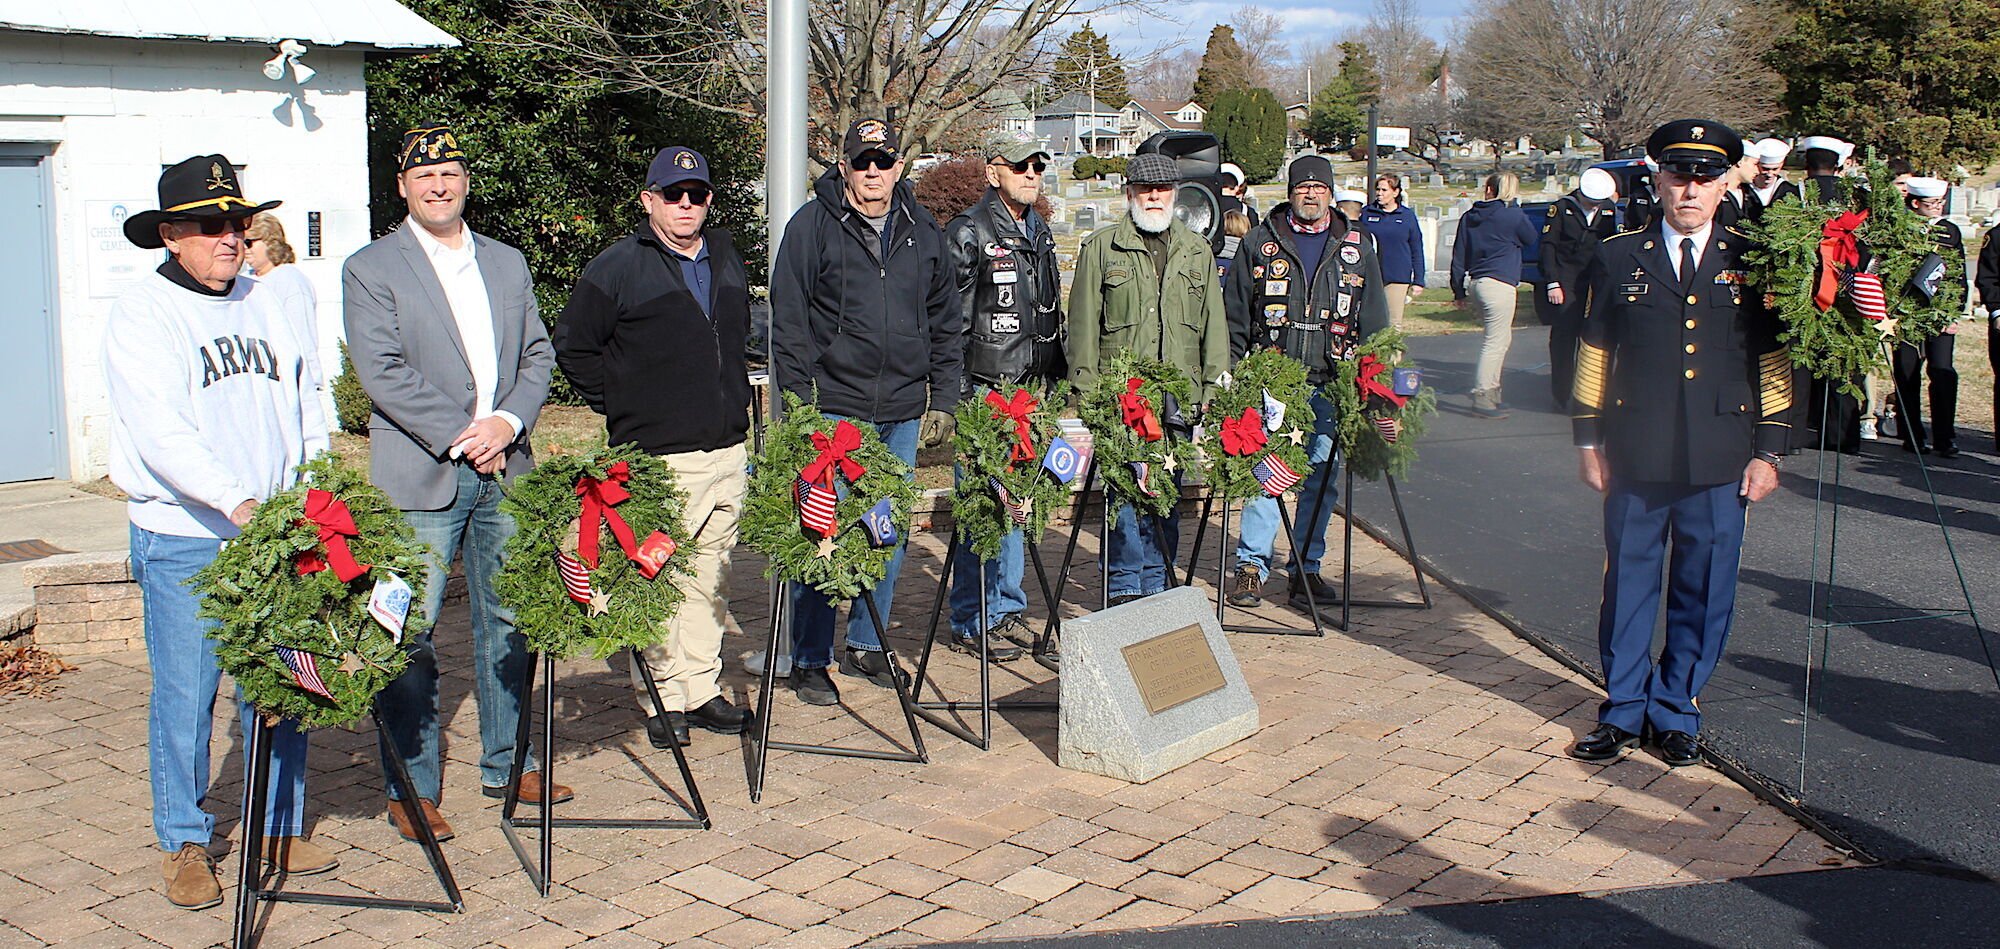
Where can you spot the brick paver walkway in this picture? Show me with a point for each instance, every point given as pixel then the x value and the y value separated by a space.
pixel 1418 759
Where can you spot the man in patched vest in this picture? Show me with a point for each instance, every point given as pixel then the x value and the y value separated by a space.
pixel 1004 261
pixel 1306 282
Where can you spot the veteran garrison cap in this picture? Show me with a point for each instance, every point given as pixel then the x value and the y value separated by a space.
pixel 429 144
pixel 1700 147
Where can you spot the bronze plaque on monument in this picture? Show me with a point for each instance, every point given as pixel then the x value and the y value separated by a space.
pixel 1173 669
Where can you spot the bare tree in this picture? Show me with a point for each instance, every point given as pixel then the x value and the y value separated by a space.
pixel 1616 69
pixel 1168 74
pixel 1261 33
pixel 934 62
pixel 1405 52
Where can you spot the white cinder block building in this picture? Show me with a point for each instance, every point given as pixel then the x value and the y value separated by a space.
pixel 96 97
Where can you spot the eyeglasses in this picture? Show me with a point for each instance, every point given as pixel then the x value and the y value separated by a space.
pixel 1023 167
pixel 217 226
pixel 868 160
pixel 672 194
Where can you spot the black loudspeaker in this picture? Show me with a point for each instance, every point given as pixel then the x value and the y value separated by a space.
pixel 1198 198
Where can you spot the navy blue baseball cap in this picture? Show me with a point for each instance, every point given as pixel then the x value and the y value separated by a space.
pixel 676 164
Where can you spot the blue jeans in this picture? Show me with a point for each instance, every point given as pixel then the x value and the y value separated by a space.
pixel 1257 531
pixel 1001 577
pixel 812 612
pixel 182 706
pixel 500 654
pixel 1137 563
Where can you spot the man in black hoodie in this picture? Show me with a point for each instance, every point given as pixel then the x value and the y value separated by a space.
pixel 864 316
pixel 630 343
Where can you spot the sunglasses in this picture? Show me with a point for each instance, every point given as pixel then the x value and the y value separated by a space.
pixel 695 193
pixel 218 226
pixel 1023 167
pixel 875 160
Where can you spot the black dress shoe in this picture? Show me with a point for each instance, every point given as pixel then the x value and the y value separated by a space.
pixel 1947 451
pixel 815 687
pixel 1603 744
pixel 715 715
pixel 665 732
pixel 868 664
pixel 1679 749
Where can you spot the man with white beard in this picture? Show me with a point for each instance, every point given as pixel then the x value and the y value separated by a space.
pixel 1147 286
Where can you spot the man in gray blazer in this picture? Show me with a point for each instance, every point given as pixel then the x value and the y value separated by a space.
pixel 447 339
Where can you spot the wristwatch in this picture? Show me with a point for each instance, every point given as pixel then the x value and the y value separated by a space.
pixel 1769 458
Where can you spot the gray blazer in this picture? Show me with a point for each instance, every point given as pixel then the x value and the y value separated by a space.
pixel 408 355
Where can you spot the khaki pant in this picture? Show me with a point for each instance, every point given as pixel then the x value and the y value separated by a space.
pixel 685 667
pixel 1493 302
pixel 1398 294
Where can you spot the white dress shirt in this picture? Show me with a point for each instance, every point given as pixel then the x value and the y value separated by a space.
pixel 1674 238
pixel 472 311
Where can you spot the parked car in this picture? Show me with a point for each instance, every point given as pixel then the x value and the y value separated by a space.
pixel 1631 174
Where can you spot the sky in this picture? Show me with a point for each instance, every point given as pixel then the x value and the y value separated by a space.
pixel 1142 27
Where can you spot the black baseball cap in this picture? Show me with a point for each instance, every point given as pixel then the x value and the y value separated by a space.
pixel 870 135
pixel 1700 147
pixel 674 165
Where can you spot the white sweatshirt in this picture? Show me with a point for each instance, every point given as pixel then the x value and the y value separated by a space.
pixel 212 403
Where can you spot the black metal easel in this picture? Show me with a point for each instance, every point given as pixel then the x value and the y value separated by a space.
pixel 762 745
pixel 544 876
pixel 1346 511
pixel 1222 571
pixel 250 890
pixel 930 711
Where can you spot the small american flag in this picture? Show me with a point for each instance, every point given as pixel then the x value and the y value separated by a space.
pixel 575 577
pixel 1865 289
pixel 815 507
pixel 1272 472
pixel 1019 512
pixel 1388 428
pixel 304 671
pixel 1139 471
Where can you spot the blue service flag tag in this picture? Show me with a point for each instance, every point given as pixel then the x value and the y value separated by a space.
pixel 1061 460
pixel 1407 380
pixel 880 523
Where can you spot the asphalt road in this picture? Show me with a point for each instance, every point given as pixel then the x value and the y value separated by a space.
pixel 1898 748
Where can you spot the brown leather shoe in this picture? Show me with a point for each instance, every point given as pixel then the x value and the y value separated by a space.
pixel 191 882
pixel 531 790
pixel 439 828
pixel 297 856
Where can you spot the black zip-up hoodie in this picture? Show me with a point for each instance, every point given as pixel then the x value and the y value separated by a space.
pixel 882 339
pixel 636 346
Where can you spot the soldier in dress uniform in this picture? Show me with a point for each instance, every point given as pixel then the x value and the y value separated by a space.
pixel 1926 197
pixel 1769 184
pixel 1681 394
pixel 1577 223
pixel 1826 160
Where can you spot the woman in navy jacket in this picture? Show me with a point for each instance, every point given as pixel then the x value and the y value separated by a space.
pixel 1487 257
pixel 1399 241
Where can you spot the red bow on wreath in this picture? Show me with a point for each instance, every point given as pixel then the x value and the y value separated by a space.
pixel 1138 413
pixel 1371 385
pixel 336 525
pixel 1838 254
pixel 833 454
pixel 1245 435
pixel 598 499
pixel 1018 409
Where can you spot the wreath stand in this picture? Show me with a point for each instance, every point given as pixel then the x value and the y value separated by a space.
pixel 1104 548
pixel 250 890
pixel 543 876
pixel 930 711
pixel 762 745
pixel 1222 571
pixel 1346 511
pixel 1821 610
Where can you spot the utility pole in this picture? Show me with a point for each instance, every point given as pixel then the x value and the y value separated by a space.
pixel 1374 119
pixel 785 140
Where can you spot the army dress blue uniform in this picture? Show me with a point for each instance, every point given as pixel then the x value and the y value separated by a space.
pixel 1680 382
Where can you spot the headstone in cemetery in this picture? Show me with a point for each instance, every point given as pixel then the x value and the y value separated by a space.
pixel 1150 686
pixel 1086 218
pixel 1437 180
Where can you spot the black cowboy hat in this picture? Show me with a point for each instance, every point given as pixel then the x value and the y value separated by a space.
pixel 201 188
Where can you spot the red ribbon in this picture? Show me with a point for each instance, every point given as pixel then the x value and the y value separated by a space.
pixel 1138 413
pixel 1018 409
pixel 336 525
pixel 1371 385
pixel 598 499
pixel 1838 254
pixel 1243 436
pixel 833 454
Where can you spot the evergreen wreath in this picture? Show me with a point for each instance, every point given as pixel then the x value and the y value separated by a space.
pixel 1839 343
pixel 1118 445
pixel 848 563
pixel 992 447
pixel 262 603
pixel 563 605
pixel 1377 435
pixel 1240 430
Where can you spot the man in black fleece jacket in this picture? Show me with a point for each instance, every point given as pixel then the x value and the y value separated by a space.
pixel 865 316
pixel 631 343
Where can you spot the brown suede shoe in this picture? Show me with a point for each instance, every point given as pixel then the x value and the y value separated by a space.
pixel 297 856
pixel 439 828
pixel 531 790
pixel 191 882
